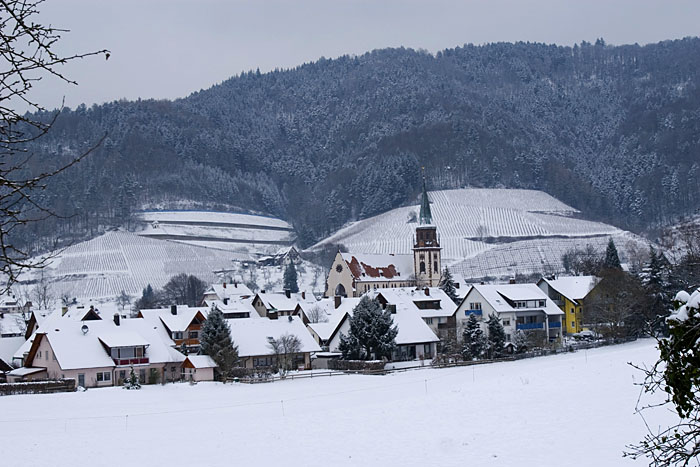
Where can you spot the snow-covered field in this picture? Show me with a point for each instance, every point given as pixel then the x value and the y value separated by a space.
pixel 573 409
pixel 487 232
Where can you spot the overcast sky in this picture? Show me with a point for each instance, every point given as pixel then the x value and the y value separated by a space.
pixel 170 48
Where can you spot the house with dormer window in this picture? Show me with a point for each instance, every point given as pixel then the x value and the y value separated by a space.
pixel 523 307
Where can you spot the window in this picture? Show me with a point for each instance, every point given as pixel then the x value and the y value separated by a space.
pixel 429 320
pixel 104 376
pixel 122 375
pixel 506 322
pixel 194 334
pixel 542 303
pixel 40 354
pixel 435 267
pixel 426 350
pixel 572 311
pixel 177 335
pixel 422 267
pixel 573 324
pixel 475 306
pixel 142 375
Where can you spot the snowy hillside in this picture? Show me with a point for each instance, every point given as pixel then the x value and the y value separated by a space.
pixel 248 235
pixel 486 232
pixel 503 414
pixel 104 266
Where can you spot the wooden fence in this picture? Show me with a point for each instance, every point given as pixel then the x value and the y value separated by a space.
pixel 38 387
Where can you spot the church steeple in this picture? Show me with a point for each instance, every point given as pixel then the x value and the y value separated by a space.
pixel 426 247
pixel 426 218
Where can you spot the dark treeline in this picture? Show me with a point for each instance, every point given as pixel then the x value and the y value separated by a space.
pixel 611 130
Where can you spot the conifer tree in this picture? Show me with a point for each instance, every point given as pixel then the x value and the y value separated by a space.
pixel 497 337
pixel 215 341
pixel 473 339
pixel 132 382
pixel 372 332
pixel 290 278
pixel 612 260
pixel 656 283
pixel 448 286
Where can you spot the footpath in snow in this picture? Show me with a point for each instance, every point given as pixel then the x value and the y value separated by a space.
pixel 573 409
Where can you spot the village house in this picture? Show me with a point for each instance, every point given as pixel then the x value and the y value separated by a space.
pixel 430 303
pixel 569 294
pixel 101 352
pixel 352 275
pixel 323 318
pixel 275 305
pixel 522 307
pixel 415 339
pixel 198 368
pixel 182 323
pixel 225 291
pixel 252 336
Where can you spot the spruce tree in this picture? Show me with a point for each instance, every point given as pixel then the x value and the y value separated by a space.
pixel 448 286
pixel 290 278
pixel 497 337
pixel 215 341
pixel 612 260
pixel 656 283
pixel 473 340
pixel 372 332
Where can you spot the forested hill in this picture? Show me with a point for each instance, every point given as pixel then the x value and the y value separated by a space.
pixel 611 130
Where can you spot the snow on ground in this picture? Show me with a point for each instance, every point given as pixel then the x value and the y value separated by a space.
pixel 573 409
pixel 487 232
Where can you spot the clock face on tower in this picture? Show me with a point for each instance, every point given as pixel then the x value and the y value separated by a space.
pixel 339 268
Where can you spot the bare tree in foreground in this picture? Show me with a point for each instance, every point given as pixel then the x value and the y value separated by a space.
pixel 27 53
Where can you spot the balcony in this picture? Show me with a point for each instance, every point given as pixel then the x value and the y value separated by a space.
pixel 556 324
pixel 528 326
pixel 130 361
pixel 472 312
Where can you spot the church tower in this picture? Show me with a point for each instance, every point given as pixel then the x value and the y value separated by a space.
pixel 426 247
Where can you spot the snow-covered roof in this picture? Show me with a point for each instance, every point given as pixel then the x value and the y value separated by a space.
pixel 12 323
pixel 497 294
pixel 234 305
pixel 178 322
pixel 379 267
pixel 334 316
pixel 408 297
pixel 8 347
pixel 201 361
pixel 574 288
pixel 279 301
pixel 229 290
pixel 251 335
pixel 412 328
pixel 24 371
pixel 75 349
pixel 118 338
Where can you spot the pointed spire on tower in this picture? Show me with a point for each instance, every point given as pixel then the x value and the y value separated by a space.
pixel 426 218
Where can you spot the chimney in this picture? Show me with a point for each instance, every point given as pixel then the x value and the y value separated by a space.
pixel 116 319
pixel 224 285
pixel 338 299
pixel 303 294
pixel 226 301
pixel 64 310
pixel 288 293
pixel 427 291
pixel 173 310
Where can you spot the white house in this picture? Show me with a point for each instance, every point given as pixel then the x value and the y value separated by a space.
pixel 519 306
pixel 430 303
pixel 252 336
pixel 101 352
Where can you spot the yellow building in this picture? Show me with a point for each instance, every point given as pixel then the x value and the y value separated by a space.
pixel 569 293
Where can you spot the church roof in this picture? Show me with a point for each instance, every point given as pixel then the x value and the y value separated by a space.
pixel 379 267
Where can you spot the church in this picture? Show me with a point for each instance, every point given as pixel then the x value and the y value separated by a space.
pixel 352 275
